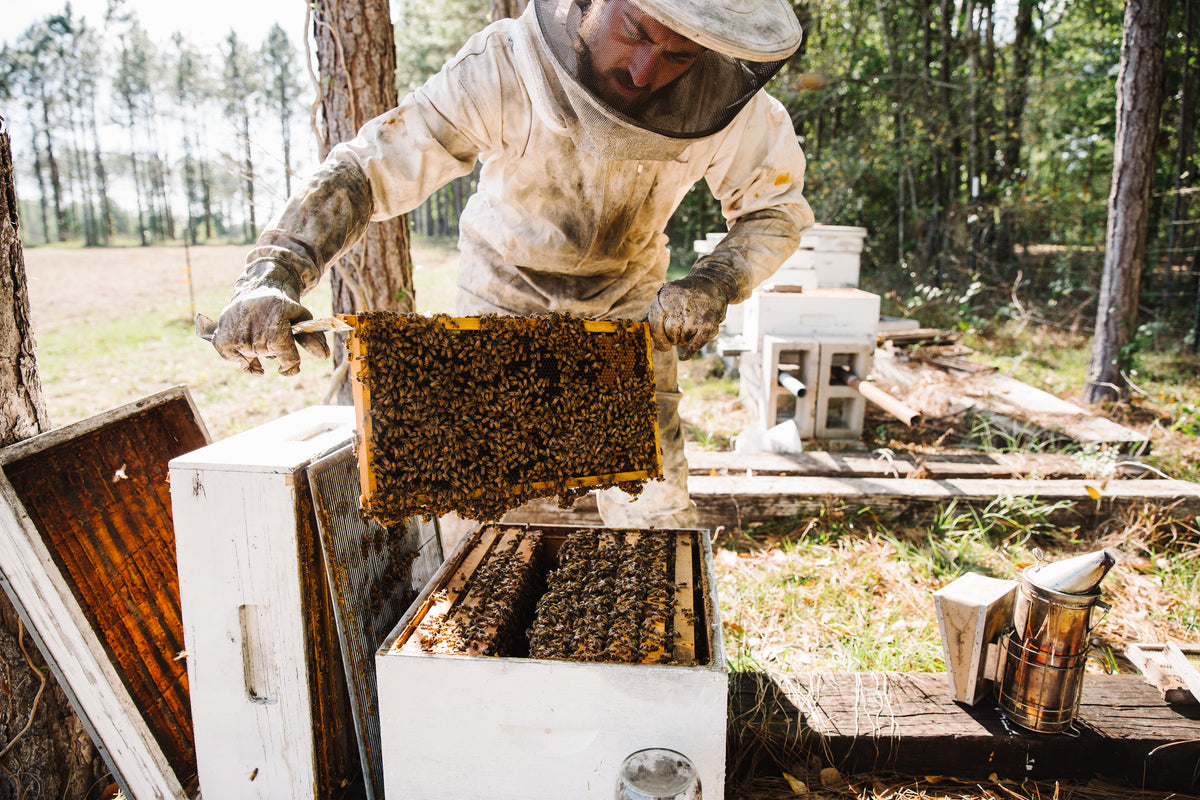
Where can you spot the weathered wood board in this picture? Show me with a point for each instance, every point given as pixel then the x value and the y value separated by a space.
pixel 907 723
pixel 735 501
pixel 896 465
pixel 87 551
pixel 1015 407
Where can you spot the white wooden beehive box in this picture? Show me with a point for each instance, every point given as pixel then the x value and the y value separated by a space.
pixel 850 314
pixel 462 726
pixel 267 688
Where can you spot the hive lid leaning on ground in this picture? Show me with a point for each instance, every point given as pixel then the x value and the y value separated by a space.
pixel 479 415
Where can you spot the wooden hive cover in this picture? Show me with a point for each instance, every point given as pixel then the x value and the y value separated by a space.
pixel 478 415
pixel 87 550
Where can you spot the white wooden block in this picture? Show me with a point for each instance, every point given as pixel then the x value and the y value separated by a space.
pixel 791 278
pixel 459 727
pixel 836 270
pixel 850 314
pixel 972 612
pixel 834 238
pixel 235 506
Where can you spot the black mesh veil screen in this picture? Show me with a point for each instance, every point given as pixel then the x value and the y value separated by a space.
pixel 699 103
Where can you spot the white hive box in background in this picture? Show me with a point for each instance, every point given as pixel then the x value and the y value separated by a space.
pixel 269 700
pixel 851 315
pixel 972 611
pixel 460 726
pixel 834 238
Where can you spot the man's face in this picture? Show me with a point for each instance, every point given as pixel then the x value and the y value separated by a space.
pixel 628 56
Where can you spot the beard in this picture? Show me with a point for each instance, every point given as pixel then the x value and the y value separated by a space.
pixel 602 84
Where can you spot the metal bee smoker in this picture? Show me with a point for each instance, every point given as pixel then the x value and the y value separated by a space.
pixel 1046 649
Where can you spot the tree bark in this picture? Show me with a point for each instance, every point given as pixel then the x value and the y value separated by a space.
pixel 356 55
pixel 1139 103
pixel 1015 101
pixel 53 757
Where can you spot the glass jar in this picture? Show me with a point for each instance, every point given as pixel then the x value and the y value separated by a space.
pixel 657 774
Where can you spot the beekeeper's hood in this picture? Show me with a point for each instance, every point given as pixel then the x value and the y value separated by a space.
pixel 745 43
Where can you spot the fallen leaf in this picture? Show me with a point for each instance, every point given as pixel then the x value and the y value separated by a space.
pixel 798 786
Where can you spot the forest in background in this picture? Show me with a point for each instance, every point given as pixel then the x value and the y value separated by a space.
pixel 973 139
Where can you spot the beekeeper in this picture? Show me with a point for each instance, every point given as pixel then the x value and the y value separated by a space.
pixel 591 121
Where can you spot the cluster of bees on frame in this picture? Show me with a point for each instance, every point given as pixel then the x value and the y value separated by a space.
pixel 610 599
pixel 498 597
pixel 482 421
pixel 397 569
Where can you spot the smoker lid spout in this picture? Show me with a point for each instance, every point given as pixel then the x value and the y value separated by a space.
pixel 1077 575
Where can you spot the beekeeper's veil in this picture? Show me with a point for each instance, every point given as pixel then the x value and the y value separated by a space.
pixel 745 41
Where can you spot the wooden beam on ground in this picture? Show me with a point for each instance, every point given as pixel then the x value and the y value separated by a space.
pixel 894 465
pixel 1016 408
pixel 907 723
pixel 736 501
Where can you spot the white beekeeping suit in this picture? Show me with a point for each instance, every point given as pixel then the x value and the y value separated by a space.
pixel 574 193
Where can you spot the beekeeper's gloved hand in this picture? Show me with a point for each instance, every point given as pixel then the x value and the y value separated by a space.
pixel 688 312
pixel 320 222
pixel 258 321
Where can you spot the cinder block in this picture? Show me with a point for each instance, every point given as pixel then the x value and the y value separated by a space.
pixel 839 408
pixel 798 358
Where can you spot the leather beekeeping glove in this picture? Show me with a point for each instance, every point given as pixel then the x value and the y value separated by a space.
pixel 688 312
pixel 319 223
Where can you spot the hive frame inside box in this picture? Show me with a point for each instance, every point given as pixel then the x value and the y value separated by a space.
pixel 264 665
pixel 458 726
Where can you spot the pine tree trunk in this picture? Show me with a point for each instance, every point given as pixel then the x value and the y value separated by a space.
pixel 1139 102
pixel 356 54
pixel 54 757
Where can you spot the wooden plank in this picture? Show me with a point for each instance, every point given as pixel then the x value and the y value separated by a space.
pixel 739 501
pixel 907 723
pixel 685 601
pixel 1183 662
pixel 896 465
pixel 732 501
pixel 86 517
pixel 1012 405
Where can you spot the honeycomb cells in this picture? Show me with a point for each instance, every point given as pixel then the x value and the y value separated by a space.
pixel 608 596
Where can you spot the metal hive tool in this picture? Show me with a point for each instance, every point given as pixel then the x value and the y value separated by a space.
pixel 479 415
pixel 374 573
